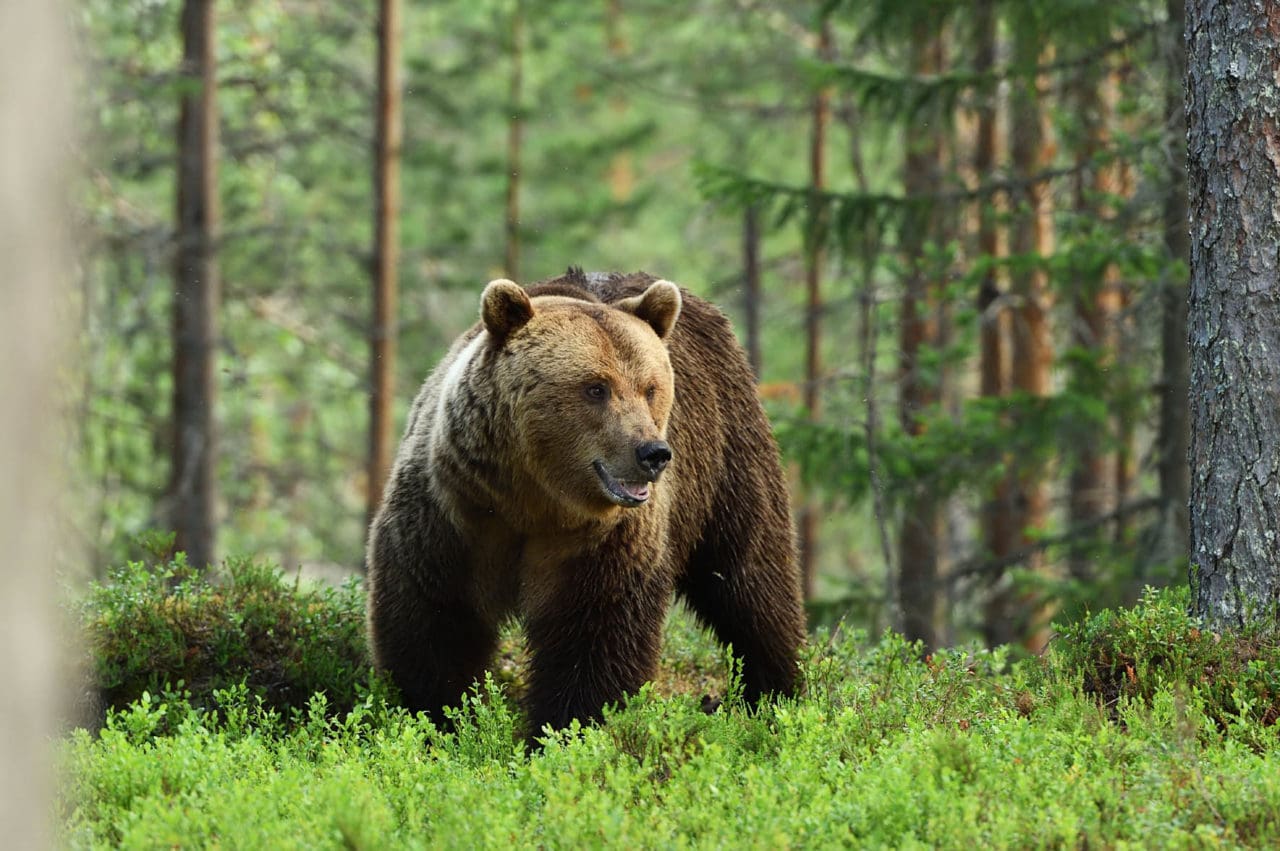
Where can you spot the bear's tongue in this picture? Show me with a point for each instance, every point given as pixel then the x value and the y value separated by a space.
pixel 635 490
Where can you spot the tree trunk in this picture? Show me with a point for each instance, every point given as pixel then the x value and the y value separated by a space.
pixel 998 531
pixel 814 257
pixel 36 142
pixel 386 228
pixel 919 535
pixel 1031 356
pixel 1173 438
pixel 1126 351
pixel 1095 305
pixel 751 285
pixel 1234 190
pixel 515 140
pixel 621 173
pixel 193 486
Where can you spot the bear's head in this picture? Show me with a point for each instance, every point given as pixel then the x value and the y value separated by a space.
pixel 590 389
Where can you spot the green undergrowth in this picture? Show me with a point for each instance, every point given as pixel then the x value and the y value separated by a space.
pixel 1135 729
pixel 167 629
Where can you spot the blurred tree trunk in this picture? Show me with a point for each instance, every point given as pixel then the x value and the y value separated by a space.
pixel 993 380
pixel 1012 616
pixel 36 143
pixel 388 137
pixel 814 258
pixel 621 174
pixel 193 489
pixel 1095 306
pixel 920 533
pixel 515 141
pixel 1234 189
pixel 1173 438
pixel 1126 352
pixel 751 284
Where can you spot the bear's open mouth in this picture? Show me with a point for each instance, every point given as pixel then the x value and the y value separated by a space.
pixel 626 494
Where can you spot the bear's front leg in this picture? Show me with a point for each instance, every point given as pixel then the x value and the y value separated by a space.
pixel 424 627
pixel 594 638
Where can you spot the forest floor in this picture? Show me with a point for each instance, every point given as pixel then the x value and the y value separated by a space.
pixel 1134 729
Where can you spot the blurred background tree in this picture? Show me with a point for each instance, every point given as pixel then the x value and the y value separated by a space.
pixel 963 214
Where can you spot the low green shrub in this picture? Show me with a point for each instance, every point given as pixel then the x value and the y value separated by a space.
pixel 170 630
pixel 883 750
pixel 1137 729
pixel 1133 653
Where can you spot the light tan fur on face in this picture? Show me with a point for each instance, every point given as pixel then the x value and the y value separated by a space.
pixel 560 433
pixel 513 395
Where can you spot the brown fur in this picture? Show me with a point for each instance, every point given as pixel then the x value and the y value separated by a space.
pixel 494 510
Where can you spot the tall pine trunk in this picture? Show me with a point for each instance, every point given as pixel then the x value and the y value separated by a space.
pixel 921 529
pixel 1173 438
pixel 751 293
pixel 515 143
pixel 388 137
pixel 998 531
pixel 1233 176
pixel 1031 349
pixel 621 172
pixel 1124 330
pixel 193 488
pixel 814 258
pixel 1095 306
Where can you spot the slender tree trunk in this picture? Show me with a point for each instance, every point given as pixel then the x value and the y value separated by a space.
pixel 751 293
pixel 1234 190
pixel 1095 306
pixel 193 485
pixel 386 252
pixel 37 66
pixel 1031 351
pixel 515 141
pixel 621 174
pixel 998 531
pixel 1173 439
pixel 814 258
pixel 1125 466
pixel 919 535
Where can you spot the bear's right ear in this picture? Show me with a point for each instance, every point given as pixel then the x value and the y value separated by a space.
pixel 504 308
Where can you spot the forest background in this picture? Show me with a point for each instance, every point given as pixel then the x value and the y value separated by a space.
pixel 952 237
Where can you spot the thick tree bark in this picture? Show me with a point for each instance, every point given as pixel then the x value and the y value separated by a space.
pixel 37 67
pixel 1233 118
pixel 920 533
pixel 388 138
pixel 1173 438
pixel 515 142
pixel 1015 617
pixel 814 258
pixel 193 489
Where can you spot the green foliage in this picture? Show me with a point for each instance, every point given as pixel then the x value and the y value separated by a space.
pixel 1133 654
pixel 952 454
pixel 169 629
pixel 885 749
pixel 645 136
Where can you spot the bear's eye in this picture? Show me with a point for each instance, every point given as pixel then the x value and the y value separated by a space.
pixel 651 393
pixel 596 391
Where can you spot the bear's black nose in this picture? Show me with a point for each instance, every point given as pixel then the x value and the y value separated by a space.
pixel 653 456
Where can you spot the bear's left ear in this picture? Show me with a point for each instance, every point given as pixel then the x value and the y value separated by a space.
pixel 659 305
pixel 504 308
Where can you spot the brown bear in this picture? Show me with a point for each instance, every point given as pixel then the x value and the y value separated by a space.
pixel 591 447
